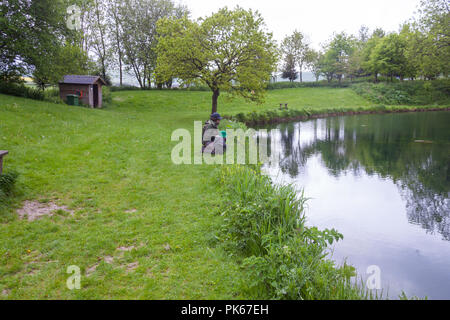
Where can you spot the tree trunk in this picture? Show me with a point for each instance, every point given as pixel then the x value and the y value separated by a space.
pixel 120 70
pixel 215 97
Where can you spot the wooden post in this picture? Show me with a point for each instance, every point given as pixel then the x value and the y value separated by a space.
pixel 2 154
pixel 285 105
pixel 281 106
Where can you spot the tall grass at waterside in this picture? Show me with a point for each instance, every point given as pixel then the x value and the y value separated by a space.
pixel 264 225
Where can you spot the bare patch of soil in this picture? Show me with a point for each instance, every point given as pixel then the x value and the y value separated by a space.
pixel 91 269
pixel 132 266
pixel 33 210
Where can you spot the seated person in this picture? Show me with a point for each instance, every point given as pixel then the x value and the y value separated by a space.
pixel 211 134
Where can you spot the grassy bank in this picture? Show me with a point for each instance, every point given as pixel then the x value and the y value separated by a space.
pixel 138 226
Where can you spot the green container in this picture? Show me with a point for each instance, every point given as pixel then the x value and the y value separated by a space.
pixel 223 133
pixel 72 99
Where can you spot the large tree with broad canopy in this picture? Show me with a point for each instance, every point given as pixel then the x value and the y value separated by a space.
pixel 227 51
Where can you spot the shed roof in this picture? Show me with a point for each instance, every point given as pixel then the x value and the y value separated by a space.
pixel 74 79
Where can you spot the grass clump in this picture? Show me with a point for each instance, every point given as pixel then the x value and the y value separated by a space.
pixel 7 182
pixel 284 259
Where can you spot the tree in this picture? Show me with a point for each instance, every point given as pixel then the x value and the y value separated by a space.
pixel 368 64
pixel 314 63
pixel 389 56
pixel 98 39
pixel 115 34
pixel 297 46
pixel 139 37
pixel 363 34
pixel 68 59
pixel 31 31
pixel 227 51
pixel 288 71
pixel 338 51
pixel 434 25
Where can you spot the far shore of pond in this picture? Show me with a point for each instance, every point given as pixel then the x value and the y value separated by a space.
pixel 282 119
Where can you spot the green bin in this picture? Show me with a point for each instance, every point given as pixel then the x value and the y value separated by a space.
pixel 72 99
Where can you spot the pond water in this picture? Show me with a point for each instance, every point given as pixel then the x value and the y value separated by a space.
pixel 383 181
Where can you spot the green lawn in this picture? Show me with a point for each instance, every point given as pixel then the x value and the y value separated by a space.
pixel 113 168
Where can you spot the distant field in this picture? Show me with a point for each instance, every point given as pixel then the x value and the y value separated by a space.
pixel 199 101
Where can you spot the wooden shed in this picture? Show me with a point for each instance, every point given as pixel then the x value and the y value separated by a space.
pixel 88 89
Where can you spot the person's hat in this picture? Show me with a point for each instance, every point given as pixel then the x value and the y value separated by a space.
pixel 216 116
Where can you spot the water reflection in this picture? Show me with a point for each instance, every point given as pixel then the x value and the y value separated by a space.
pixel 372 176
pixel 384 145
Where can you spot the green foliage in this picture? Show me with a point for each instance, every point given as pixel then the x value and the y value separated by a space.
pixel 138 35
pixel 7 181
pixel 431 50
pixel 420 50
pixel 388 56
pixel 227 51
pixel 296 51
pixel 284 259
pixel 21 90
pixel 31 33
pixel 334 62
pixel 289 71
pixel 407 92
pixel 317 84
pixel 67 59
pixel 106 96
pixel 123 88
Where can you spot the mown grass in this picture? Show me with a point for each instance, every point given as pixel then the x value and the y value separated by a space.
pixel 102 164
pixel 112 167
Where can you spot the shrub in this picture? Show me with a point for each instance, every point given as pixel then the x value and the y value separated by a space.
pixel 406 92
pixel 106 95
pixel 319 84
pixel 123 88
pixel 7 182
pixel 21 90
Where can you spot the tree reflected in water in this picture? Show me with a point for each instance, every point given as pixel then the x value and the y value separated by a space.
pixel 413 150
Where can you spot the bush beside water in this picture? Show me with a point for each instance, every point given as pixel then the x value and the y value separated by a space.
pixel 406 92
pixel 284 259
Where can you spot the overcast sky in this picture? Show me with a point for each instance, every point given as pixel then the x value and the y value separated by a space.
pixel 317 18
